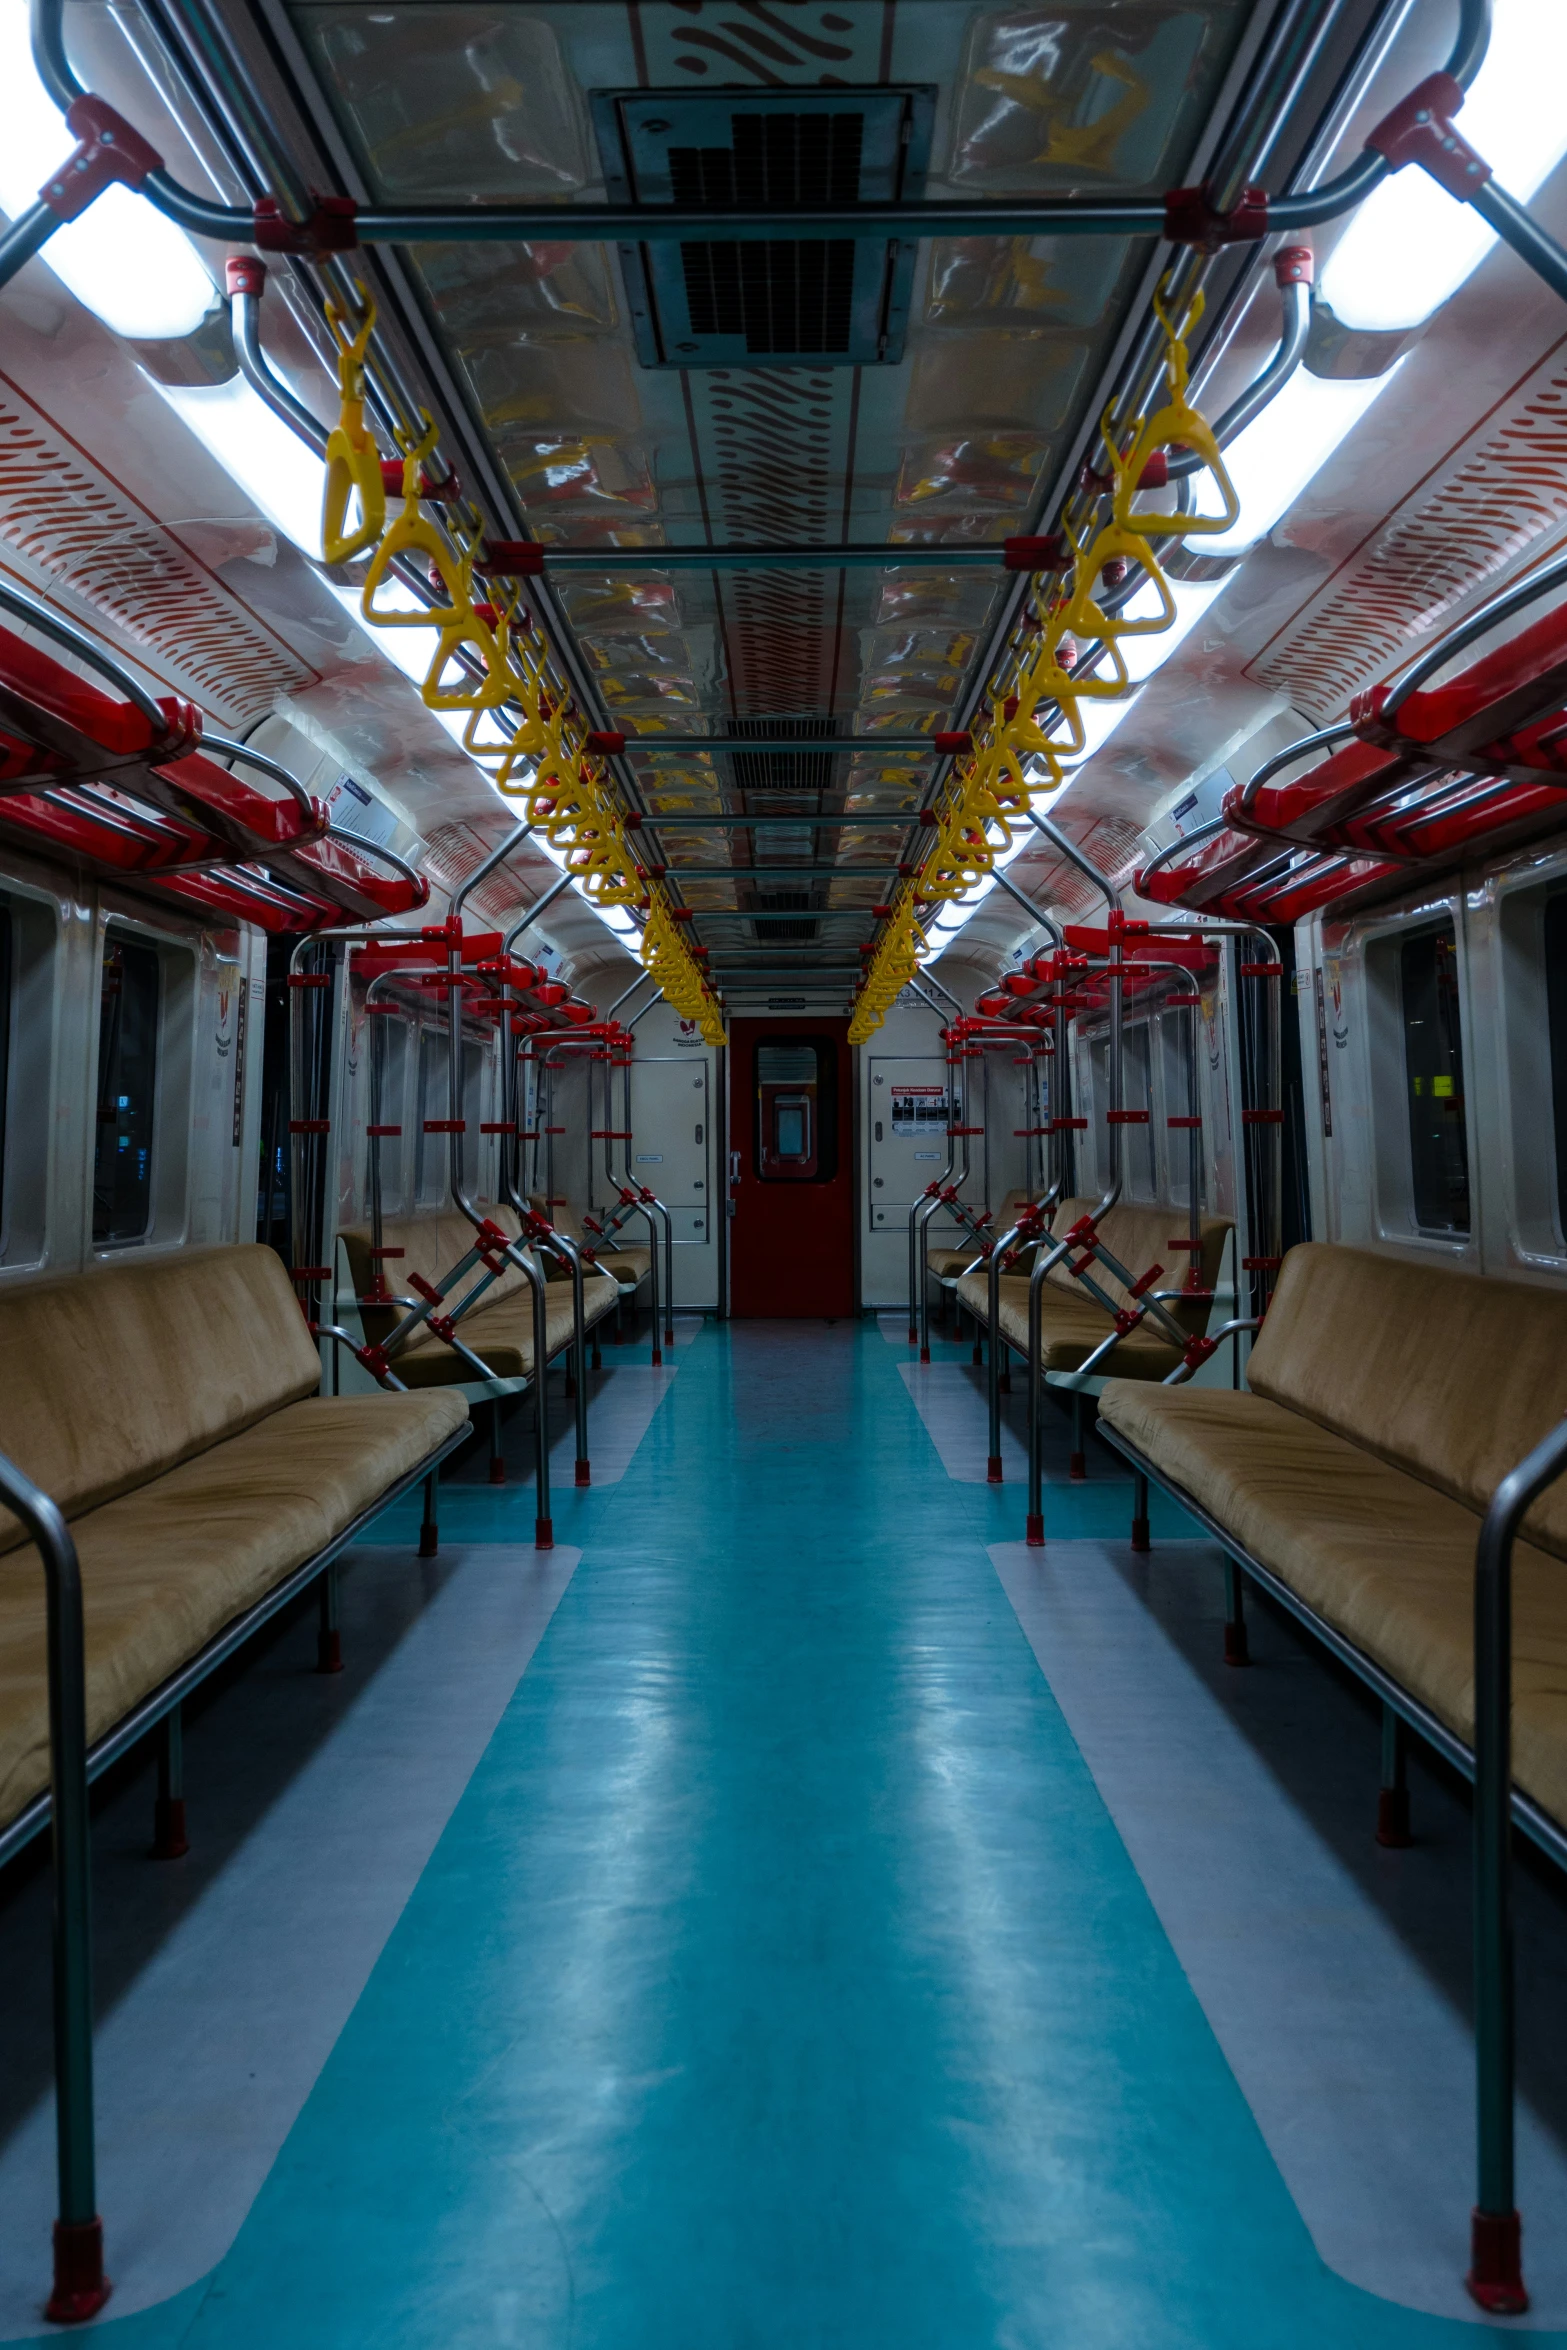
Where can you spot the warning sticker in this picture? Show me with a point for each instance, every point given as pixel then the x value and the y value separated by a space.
pixel 919 1109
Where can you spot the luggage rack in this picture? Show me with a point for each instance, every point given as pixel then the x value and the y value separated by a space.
pixel 122 784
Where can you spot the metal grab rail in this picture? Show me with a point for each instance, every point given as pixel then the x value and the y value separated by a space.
pixel 1199 216
pixel 1495 2278
pixel 515 1255
pixel 80 2286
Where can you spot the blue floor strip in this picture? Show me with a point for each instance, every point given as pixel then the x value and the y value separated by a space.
pixel 780 1981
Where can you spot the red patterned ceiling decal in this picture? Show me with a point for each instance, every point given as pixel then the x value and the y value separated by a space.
pixel 74 527
pixel 1477 515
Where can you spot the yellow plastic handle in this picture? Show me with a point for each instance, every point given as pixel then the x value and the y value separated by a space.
pixel 411 534
pixel 353 462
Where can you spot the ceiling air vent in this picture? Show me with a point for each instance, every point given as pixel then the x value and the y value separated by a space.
pixel 783 902
pixel 795 771
pixel 767 302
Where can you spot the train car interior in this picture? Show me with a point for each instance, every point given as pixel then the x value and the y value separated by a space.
pixel 756 758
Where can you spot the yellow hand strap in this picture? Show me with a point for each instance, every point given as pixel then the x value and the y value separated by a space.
pixel 412 534
pixel 353 462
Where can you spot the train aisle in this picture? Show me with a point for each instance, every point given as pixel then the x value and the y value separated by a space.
pixel 780 1978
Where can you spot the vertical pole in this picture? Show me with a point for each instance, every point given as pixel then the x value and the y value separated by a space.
pixel 1495 2278
pixel 329 1639
pixel 430 1531
pixel 169 1839
pixel 80 2286
pixel 1236 1648
pixel 1140 1535
pixel 1393 1795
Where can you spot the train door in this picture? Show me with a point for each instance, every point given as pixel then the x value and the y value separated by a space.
pixel 791 1169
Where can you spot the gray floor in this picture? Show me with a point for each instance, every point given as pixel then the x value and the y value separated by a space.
pixel 1335 1974
pixel 226 1977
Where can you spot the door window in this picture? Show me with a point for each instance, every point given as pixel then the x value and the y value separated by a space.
pixel 1434 1079
pixel 128 1001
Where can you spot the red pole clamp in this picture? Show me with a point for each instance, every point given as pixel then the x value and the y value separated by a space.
pixel 375 1359
pixel 1126 1321
pixel 1035 554
pixel 108 150
pixel 426 1289
pixel 953 746
pixel 1142 1287
pixel 512 559
pixel 333 227
pixel 1421 131
pixel 1190 218
pixel 1197 1352
pixel 444 1328
pixel 607 745
pixel 243 273
pixel 309 1126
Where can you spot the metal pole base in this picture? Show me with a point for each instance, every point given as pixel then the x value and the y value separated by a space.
pixel 1393 1830
pixel 597 1363
pixel 914 1336
pixel 429 1532
pixel 1141 1539
pixel 570 1389
pixel 497 1472
pixel 1236 1651
pixel 993 1468
pixel 1495 2278
pixel 1004 1383
pixel 1035 1535
pixel 924 1354
pixel 1140 1535
pixel 1077 1470
pixel 169 1840
pixel 584 1473
pixel 669 1337
pixel 978 1356
pixel 543 1533
pixel 80 2286
pixel 658 1355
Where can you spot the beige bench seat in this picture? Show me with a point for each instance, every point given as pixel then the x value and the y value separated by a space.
pixel 1388 1400
pixel 628 1265
pixel 169 1408
pixel 945 1264
pixel 499 1330
pixel 1073 1324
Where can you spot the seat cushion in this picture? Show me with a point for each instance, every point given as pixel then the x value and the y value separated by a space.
pixel 1070 1327
pixel 502 1336
pixel 166 1566
pixel 109 1378
pixel 627 1267
pixel 1384 1557
pixel 1452 1376
pixel 431 1246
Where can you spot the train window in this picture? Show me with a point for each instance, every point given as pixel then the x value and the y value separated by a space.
pixel 1434 1078
pixel 1137 1086
pixel 129 1000
pixel 1176 1077
pixel 433 1156
pixel 796 1110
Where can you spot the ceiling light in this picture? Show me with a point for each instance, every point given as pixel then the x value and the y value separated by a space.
pixel 1282 450
pixel 139 273
pixel 276 470
pixel 1411 245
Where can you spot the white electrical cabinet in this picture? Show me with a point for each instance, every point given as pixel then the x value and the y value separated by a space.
pixel 671 1120
pixel 909 1112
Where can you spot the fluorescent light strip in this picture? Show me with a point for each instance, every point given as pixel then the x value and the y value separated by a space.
pixel 1411 245
pixel 133 268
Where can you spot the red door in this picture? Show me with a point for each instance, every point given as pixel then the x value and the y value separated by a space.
pixel 791 1169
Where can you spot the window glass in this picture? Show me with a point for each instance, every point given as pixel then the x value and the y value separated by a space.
pixel 432 1149
pixel 1179 1104
pixel 1137 1094
pixel 1434 1079
pixel 796 1083
pixel 127 1078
